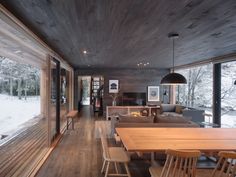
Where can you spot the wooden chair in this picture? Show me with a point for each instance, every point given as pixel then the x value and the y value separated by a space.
pixel 226 166
pixel 113 155
pixel 178 164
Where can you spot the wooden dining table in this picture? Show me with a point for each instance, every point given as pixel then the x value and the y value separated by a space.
pixel 161 139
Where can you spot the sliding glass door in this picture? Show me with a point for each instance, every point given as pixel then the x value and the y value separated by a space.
pixel 55 99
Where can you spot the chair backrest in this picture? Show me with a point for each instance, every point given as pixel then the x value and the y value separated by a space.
pixel 180 163
pixel 104 144
pixel 226 166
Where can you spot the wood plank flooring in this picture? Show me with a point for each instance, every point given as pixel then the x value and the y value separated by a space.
pixel 79 153
pixel 21 152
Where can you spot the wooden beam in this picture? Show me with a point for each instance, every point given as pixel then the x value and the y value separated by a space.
pixel 30 38
pixel 215 60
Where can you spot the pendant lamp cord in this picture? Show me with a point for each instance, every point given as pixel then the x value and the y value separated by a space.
pixel 173 54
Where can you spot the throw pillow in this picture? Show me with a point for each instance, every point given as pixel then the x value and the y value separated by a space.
pixel 179 109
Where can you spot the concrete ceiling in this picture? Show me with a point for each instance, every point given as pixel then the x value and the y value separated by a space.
pixel 123 33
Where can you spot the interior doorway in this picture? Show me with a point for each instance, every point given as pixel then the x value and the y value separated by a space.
pixel 85 89
pixel 90 92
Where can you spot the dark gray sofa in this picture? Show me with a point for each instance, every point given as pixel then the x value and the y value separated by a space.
pixel 157 121
pixel 178 110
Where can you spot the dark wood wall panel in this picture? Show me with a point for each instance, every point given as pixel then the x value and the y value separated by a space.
pixel 130 80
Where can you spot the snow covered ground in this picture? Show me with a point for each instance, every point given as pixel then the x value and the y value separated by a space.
pixel 227 120
pixel 15 112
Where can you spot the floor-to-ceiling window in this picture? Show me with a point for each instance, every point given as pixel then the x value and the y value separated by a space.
pixel 19 96
pixel 228 94
pixel 29 87
pixel 197 93
pixel 23 125
pixel 54 104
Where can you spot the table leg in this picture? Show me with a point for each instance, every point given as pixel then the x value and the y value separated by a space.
pixel 72 119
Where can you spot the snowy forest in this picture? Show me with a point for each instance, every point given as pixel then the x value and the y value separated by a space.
pixel 18 79
pixel 19 90
pixel 198 90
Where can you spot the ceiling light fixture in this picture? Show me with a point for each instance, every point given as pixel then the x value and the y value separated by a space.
pixel 85 52
pixel 173 78
pixel 142 64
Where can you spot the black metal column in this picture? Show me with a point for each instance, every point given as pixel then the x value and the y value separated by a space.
pixel 217 93
pixel 58 96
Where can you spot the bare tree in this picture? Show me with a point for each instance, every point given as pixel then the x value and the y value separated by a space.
pixel 194 77
pixel 21 78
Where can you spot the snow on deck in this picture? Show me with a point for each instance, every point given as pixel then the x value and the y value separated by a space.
pixel 15 112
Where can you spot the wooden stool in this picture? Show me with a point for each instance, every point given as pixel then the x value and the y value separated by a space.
pixel 72 114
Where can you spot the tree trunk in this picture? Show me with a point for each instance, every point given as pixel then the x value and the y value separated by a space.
pixel 11 87
pixel 192 97
pixel 36 87
pixel 1 87
pixel 25 91
pixel 19 88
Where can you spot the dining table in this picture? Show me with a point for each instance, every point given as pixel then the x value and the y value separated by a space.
pixel 161 139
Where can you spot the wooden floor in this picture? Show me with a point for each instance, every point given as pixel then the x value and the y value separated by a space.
pixel 19 153
pixel 79 153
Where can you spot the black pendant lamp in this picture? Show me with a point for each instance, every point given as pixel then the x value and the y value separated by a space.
pixel 173 78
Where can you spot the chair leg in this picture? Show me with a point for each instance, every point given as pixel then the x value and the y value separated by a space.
pixel 73 125
pixel 127 170
pixel 107 169
pixel 116 167
pixel 103 165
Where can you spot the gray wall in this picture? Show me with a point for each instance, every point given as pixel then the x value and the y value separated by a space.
pixel 130 80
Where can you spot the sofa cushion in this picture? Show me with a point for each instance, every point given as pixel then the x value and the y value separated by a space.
pixel 171 114
pixel 171 119
pixel 139 119
pixel 179 109
pixel 168 107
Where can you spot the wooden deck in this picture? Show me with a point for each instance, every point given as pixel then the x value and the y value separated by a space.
pixel 79 153
pixel 19 154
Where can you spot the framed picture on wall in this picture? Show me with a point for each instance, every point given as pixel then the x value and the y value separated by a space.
pixel 113 86
pixel 153 93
